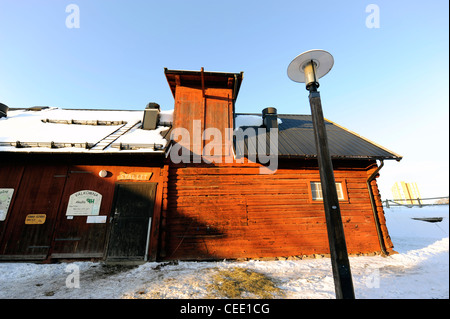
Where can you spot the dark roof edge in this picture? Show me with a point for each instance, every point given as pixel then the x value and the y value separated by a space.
pixel 396 156
pixel 202 74
pixel 87 153
pixel 340 157
pixel 66 109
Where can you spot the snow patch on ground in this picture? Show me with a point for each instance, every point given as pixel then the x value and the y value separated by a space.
pixel 419 270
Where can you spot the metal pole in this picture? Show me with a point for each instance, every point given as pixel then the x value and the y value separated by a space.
pixel 338 248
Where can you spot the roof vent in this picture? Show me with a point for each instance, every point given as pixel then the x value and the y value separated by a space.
pixel 151 116
pixel 3 110
pixel 37 108
pixel 270 118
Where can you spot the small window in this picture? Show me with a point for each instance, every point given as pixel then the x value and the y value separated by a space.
pixel 316 191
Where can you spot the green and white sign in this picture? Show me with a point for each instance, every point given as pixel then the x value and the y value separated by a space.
pixel 5 199
pixel 84 203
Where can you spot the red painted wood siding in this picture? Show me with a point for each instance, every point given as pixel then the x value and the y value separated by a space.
pixel 231 211
pixel 45 189
pixel 214 110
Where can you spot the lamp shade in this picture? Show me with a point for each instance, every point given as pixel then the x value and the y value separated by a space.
pixel 302 70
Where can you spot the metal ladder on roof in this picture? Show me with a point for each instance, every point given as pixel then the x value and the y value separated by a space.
pixel 109 139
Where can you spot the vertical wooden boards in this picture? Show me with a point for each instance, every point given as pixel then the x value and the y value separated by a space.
pixel 131 221
pixel 39 194
pixel 200 114
pixel 40 224
pixel 75 236
pixel 10 176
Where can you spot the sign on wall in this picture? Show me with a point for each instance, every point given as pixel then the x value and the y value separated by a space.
pixel 5 199
pixel 135 176
pixel 96 219
pixel 84 203
pixel 35 219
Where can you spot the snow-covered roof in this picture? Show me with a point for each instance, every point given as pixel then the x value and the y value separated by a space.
pixel 244 120
pixel 56 130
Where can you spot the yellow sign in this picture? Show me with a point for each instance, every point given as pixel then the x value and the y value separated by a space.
pixel 35 219
pixel 135 176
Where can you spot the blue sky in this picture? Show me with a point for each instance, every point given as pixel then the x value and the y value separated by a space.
pixel 389 84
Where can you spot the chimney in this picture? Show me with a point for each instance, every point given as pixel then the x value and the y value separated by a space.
pixel 3 110
pixel 151 116
pixel 270 118
pixel 203 100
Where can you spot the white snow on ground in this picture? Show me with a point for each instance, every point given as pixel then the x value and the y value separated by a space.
pixel 419 270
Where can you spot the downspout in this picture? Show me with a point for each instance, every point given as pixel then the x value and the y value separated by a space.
pixel 374 208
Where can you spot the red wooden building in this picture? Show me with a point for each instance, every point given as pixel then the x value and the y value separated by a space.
pixel 203 183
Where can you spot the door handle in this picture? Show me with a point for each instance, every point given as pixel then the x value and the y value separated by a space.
pixel 114 216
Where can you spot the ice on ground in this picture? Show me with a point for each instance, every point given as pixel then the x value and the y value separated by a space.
pixel 419 270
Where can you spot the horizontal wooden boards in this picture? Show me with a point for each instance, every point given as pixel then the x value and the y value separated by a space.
pixel 234 211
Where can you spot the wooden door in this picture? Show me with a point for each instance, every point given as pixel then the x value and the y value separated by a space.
pixel 31 221
pixel 83 236
pixel 131 221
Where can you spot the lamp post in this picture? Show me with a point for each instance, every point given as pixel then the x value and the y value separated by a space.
pixel 307 68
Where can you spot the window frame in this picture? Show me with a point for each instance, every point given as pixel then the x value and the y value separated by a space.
pixel 343 184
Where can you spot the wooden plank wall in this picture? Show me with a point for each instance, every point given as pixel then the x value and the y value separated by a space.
pixel 230 211
pixel 212 111
pixel 388 245
pixel 46 189
pixel 10 176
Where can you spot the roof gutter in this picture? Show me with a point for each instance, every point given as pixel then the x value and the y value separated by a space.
pixel 374 208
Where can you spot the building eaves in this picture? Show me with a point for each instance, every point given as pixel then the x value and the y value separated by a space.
pixel 296 140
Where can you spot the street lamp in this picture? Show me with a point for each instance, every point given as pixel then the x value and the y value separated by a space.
pixel 308 68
